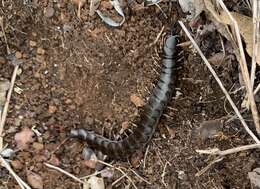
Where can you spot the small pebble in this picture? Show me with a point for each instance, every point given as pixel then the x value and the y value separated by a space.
pixel 7 153
pixel 52 109
pixel 40 51
pixel 18 55
pixel 2 60
pixel 49 12
pixel 33 43
pixel 16 164
pixel 37 146
pixel 182 175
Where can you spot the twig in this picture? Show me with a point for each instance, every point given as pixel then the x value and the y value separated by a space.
pixel 202 171
pixel 117 180
pixel 244 70
pixel 157 5
pixel 145 155
pixel 4 113
pixel 220 83
pixel 21 183
pixel 157 37
pixel 147 182
pixel 216 151
pixel 58 147
pixel 64 172
pixel 120 170
pixel 163 174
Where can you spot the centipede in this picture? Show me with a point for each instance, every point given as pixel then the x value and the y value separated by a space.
pixel 150 116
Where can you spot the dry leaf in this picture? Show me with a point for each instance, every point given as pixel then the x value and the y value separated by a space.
pixel 213 15
pixel 34 180
pixel 138 102
pixel 245 25
pixel 23 138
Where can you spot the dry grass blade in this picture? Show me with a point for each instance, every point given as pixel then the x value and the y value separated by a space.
pixel 4 113
pixel 141 178
pixel 21 183
pixel 202 171
pixel 244 69
pixel 220 83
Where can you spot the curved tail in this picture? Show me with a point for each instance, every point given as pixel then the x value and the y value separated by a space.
pixel 150 116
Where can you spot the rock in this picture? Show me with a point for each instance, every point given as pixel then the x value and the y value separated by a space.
pixel 18 55
pixel 34 180
pixel 254 178
pixel 2 60
pixel 209 129
pixel 23 138
pixel 7 153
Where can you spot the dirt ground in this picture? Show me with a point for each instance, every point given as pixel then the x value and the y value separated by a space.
pixel 81 73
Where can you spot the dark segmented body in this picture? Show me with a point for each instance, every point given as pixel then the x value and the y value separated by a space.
pixel 150 116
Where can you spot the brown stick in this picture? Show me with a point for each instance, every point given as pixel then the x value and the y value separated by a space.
pixel 216 151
